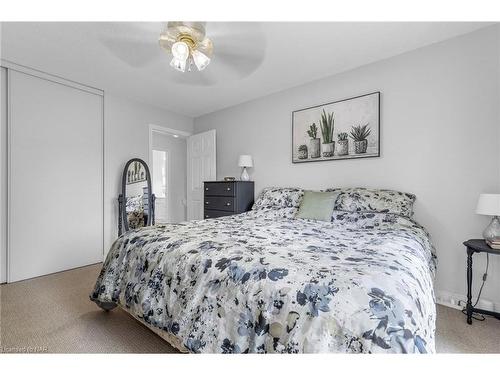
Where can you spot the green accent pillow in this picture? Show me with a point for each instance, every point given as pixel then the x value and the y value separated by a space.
pixel 317 205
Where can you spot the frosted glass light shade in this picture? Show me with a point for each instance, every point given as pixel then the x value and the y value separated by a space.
pixel 245 161
pixel 179 65
pixel 200 59
pixel 180 50
pixel 488 204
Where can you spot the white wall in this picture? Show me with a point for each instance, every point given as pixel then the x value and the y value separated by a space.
pixel 176 174
pixel 440 140
pixel 126 135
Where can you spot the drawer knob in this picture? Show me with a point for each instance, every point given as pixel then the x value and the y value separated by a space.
pixel 228 189
pixel 228 204
pixel 206 189
pixel 207 202
pixel 206 216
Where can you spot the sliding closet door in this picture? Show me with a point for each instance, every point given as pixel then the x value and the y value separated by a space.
pixel 56 177
pixel 3 175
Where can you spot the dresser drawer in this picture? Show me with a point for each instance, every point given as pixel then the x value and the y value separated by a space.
pixel 226 189
pixel 219 203
pixel 210 214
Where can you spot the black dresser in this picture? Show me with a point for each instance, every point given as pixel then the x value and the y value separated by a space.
pixel 224 198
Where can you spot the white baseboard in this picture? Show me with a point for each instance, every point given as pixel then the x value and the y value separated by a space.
pixel 458 301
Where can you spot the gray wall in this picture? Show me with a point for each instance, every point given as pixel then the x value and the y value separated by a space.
pixel 126 135
pixel 440 140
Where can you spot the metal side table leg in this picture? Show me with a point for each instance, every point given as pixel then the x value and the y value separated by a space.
pixel 469 285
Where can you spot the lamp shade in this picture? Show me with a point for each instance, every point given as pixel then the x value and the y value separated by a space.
pixel 488 204
pixel 245 161
pixel 200 59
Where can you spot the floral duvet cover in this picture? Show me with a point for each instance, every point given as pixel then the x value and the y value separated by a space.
pixel 263 282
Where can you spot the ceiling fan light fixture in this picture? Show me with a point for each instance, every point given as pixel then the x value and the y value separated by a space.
pixel 187 42
pixel 200 60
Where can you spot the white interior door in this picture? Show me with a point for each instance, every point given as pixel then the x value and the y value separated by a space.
pixel 55 177
pixel 201 164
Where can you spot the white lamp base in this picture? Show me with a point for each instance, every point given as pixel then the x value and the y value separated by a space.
pixel 244 175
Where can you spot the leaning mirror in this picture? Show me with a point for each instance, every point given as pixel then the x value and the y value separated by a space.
pixel 136 201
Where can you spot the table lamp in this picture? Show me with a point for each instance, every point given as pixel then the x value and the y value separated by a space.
pixel 489 204
pixel 245 161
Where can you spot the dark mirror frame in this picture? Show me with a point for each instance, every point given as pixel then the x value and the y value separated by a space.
pixel 122 201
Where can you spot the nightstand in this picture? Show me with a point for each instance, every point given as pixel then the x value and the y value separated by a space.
pixel 224 198
pixel 476 246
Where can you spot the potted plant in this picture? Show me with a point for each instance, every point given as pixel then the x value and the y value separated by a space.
pixel 359 135
pixel 314 141
pixel 327 125
pixel 342 144
pixel 302 152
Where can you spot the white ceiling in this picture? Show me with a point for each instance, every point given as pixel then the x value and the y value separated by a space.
pixel 250 59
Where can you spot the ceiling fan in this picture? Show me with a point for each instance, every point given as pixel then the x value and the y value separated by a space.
pixel 239 49
pixel 188 44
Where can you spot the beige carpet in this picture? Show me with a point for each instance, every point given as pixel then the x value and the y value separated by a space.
pixel 53 314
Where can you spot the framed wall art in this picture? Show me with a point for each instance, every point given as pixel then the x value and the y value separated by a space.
pixel 344 129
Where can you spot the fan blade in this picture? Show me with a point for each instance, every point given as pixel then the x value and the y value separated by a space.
pixel 136 44
pixel 242 52
pixel 134 53
pixel 239 30
pixel 241 65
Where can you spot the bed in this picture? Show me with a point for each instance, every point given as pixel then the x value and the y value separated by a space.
pixel 134 207
pixel 267 282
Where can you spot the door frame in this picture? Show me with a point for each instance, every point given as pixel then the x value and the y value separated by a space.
pixel 153 128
